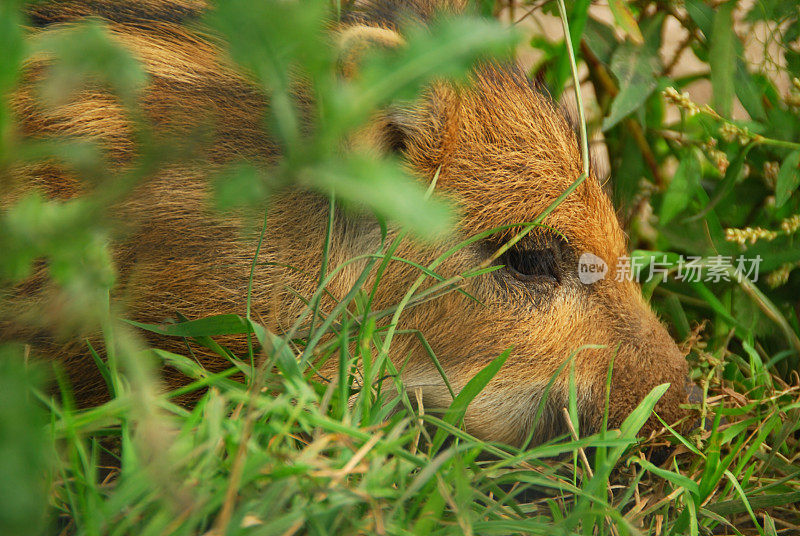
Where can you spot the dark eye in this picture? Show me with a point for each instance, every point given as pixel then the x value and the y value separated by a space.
pixel 532 264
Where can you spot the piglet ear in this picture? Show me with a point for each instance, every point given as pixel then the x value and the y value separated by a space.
pixel 397 126
pixel 400 122
pixel 391 128
pixel 354 41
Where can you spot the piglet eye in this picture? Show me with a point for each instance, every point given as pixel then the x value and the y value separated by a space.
pixel 532 264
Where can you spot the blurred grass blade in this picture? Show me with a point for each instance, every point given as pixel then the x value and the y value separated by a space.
pixel 13 47
pixel 635 66
pixel 386 189
pixel 732 176
pixel 24 447
pixel 682 187
pixel 445 50
pixel 84 54
pixel 788 179
pixel 722 57
pixel 625 19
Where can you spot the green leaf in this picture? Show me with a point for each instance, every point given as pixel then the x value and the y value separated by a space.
pixel 737 506
pixel 732 175
pixel 681 190
pixel 788 179
pixel 11 43
pixel 240 185
pixel 385 188
pixel 13 47
pixel 284 358
pixel 625 20
pixel 601 39
pixel 186 366
pixel 455 413
pixel 87 53
pixel 635 67
pixel 792 61
pixel 274 40
pixel 204 327
pixel 749 92
pixel 701 13
pixel 448 49
pixel 769 525
pixel 629 170
pixel 745 501
pixel 24 447
pixel 421 478
pixel 634 422
pixel 271 36
pixel 722 58
pixel 68 236
pixel 676 478
pixel 473 387
pixel 771 10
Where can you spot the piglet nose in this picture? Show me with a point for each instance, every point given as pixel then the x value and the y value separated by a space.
pixel 695 396
pixel 694 392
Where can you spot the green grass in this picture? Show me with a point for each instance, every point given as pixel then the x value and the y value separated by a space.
pixel 283 452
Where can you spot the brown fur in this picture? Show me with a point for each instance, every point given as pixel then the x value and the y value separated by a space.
pixel 503 152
